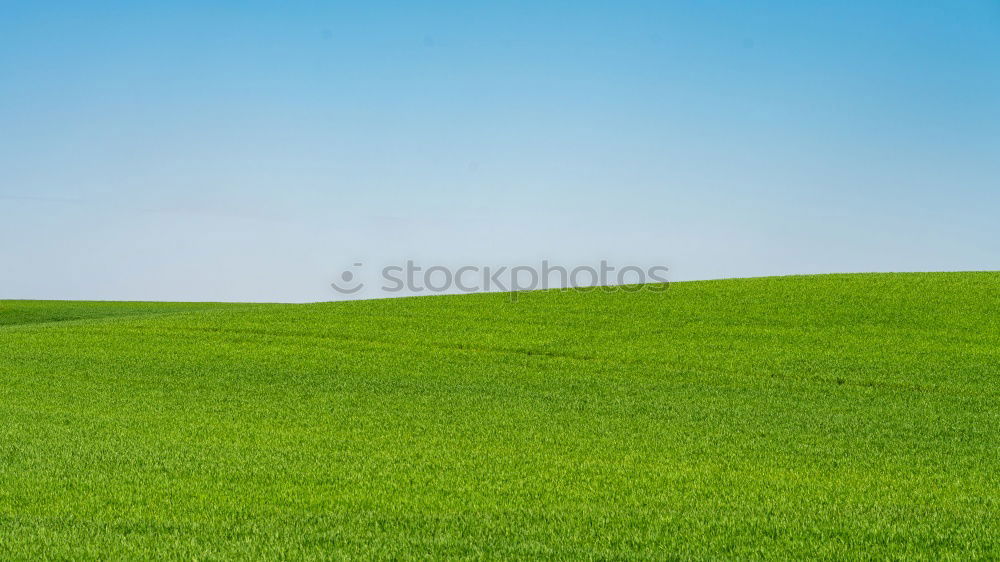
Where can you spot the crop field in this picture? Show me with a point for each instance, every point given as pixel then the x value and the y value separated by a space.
pixel 833 416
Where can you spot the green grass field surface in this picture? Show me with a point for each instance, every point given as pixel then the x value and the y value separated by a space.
pixel 833 416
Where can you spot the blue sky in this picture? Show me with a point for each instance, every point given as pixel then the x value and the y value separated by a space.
pixel 252 150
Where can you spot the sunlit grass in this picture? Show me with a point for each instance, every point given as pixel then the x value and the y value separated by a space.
pixel 833 416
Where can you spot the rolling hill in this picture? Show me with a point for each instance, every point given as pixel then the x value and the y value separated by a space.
pixel 807 416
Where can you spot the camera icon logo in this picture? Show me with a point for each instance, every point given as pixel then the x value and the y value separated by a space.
pixel 347 286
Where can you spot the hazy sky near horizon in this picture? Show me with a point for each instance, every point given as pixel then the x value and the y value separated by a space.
pixel 253 150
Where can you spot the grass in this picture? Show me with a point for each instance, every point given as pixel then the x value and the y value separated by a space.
pixel 834 416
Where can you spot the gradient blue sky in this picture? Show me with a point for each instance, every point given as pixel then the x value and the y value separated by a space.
pixel 252 150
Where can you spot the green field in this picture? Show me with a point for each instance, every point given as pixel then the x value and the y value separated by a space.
pixel 815 416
